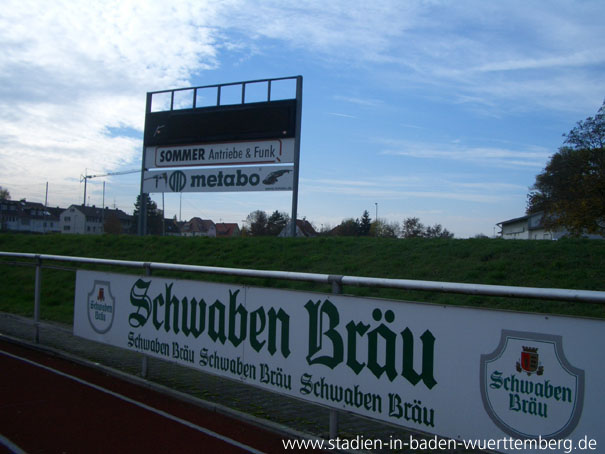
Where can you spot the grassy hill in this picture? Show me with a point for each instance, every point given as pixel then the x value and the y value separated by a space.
pixel 574 264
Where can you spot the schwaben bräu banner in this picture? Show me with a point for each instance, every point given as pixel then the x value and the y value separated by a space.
pixel 458 372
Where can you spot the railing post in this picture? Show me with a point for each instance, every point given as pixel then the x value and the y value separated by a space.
pixel 37 293
pixel 337 290
pixel 145 359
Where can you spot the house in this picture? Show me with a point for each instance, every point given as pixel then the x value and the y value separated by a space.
pixel 30 217
pixel 198 227
pixel 531 227
pixel 82 219
pixel 172 227
pixel 224 230
pixel 303 229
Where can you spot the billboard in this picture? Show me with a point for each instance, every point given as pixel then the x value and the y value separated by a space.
pixel 461 373
pixel 244 133
pixel 222 179
pixel 277 151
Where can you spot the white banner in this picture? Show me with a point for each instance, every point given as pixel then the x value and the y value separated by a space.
pixel 276 151
pixel 223 179
pixel 462 373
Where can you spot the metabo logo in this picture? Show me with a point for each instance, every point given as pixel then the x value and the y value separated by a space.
pixel 274 176
pixel 101 307
pixel 177 181
pixel 528 387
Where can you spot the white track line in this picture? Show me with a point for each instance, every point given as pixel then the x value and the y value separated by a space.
pixel 138 404
pixel 12 447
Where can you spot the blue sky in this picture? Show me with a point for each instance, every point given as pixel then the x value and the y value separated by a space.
pixel 443 110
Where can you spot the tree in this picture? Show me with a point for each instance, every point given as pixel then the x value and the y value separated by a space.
pixel 257 223
pixel 326 229
pixel 4 194
pixel 412 228
pixel 277 222
pixel 588 134
pixel 355 227
pixel 348 227
pixel 155 216
pixel 112 224
pixel 437 231
pixel 365 224
pixel 384 229
pixel 571 189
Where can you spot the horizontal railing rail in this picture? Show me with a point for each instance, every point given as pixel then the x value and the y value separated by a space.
pixel 555 294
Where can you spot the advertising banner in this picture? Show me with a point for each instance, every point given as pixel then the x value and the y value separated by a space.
pixel 224 179
pixel 458 372
pixel 278 151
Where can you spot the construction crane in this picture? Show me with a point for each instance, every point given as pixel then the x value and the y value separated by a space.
pixel 86 177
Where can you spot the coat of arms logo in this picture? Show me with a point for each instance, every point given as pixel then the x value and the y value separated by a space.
pixel 530 361
pixel 100 305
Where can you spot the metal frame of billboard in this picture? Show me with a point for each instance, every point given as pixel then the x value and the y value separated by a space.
pixel 178 124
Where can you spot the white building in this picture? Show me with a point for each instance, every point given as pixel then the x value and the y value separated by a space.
pixel 531 227
pixel 198 227
pixel 30 217
pixel 92 220
pixel 304 229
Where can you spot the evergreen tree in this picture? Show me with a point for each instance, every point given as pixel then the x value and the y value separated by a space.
pixel 365 224
pixel 155 216
pixel 277 222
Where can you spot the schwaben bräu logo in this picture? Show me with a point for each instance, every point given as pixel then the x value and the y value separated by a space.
pixel 389 354
pixel 528 387
pixel 220 322
pixel 100 305
pixel 232 323
pixel 382 347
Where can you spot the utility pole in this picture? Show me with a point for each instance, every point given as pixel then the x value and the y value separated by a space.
pixel 45 206
pixel 103 209
pixel 85 178
pixel 163 216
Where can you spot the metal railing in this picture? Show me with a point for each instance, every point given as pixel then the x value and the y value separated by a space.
pixel 335 281
pixel 583 296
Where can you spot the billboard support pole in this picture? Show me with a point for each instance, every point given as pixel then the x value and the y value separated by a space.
pixel 299 82
pixel 142 231
pixel 334 414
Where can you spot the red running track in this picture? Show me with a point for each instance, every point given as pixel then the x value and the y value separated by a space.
pixel 51 405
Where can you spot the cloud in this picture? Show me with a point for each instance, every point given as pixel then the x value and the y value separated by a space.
pixel 584 58
pixel 529 157
pixel 515 55
pixel 396 187
pixel 73 70
pixel 335 114
pixel 366 102
pixel 351 31
pixel 74 73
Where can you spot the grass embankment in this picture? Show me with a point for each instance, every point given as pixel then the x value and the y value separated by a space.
pixel 573 264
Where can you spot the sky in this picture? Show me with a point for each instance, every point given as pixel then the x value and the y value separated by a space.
pixel 441 110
